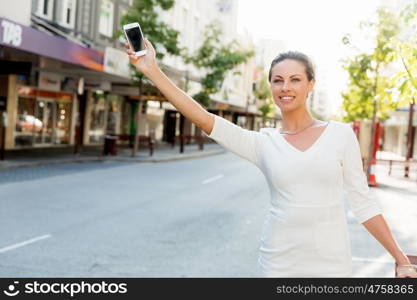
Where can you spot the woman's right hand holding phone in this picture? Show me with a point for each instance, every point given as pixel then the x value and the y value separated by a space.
pixel 190 108
pixel 145 63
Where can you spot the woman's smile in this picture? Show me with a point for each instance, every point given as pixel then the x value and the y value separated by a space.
pixel 286 99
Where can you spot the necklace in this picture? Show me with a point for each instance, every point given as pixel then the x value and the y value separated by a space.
pixel 296 132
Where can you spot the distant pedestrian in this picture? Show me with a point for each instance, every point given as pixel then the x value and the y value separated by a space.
pixel 307 164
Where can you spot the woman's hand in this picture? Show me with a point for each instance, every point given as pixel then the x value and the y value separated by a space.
pixel 407 270
pixel 145 63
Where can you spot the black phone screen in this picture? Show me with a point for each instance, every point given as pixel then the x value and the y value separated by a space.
pixel 135 37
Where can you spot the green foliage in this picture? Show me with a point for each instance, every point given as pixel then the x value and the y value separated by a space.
pixel 216 60
pixel 406 79
pixel 368 84
pixel 263 93
pixel 409 15
pixel 263 90
pixel 268 109
pixel 163 37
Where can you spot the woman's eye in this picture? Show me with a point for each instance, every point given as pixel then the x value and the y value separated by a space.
pixel 279 80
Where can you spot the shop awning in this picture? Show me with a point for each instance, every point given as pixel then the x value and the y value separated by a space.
pixel 25 38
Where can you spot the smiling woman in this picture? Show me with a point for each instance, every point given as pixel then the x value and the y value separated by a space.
pixel 292 78
pixel 307 167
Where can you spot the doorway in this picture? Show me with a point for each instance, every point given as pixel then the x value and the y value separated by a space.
pixel 43 131
pixel 170 126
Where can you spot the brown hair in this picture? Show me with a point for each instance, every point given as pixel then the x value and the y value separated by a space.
pixel 298 56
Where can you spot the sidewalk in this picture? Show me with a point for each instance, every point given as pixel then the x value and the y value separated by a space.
pixel 397 162
pixel 386 155
pixel 162 153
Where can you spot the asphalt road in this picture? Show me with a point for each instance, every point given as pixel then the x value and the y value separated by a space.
pixel 192 218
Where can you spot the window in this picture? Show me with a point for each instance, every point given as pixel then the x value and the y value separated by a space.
pixel 122 12
pixel 66 13
pixel 225 6
pixel 185 18
pixel 44 9
pixel 106 18
pixel 194 34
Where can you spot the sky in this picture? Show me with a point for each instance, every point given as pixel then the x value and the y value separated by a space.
pixel 314 27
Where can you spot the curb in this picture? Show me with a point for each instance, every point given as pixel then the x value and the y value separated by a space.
pixel 51 162
pixel 168 159
pixel 109 158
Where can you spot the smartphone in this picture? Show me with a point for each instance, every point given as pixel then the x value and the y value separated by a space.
pixel 134 37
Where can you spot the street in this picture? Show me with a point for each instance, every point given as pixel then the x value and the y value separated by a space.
pixel 191 218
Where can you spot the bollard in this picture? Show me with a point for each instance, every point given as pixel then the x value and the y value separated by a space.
pixel 390 167
pixel 407 168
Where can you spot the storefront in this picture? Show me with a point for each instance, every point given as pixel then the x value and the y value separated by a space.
pixel 151 120
pixel 43 118
pixel 53 88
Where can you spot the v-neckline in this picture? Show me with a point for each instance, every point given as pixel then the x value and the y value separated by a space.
pixel 312 146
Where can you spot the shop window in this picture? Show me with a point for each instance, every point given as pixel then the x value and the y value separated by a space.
pixel 24 80
pixel 127 117
pixel 98 118
pixel 44 112
pixel 62 123
pixel 42 121
pixel 113 115
pixel 26 123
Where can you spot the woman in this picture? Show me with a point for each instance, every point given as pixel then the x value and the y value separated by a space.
pixel 307 165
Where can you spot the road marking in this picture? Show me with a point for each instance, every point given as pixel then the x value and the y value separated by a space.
pixel 18 245
pixel 212 179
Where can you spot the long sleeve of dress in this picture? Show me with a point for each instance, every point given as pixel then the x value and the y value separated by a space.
pixel 355 182
pixel 240 141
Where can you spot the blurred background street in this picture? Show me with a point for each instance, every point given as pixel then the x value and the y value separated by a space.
pixel 101 176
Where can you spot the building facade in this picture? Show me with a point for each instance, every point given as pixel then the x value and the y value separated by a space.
pixel 65 81
pixel 235 100
pixel 59 71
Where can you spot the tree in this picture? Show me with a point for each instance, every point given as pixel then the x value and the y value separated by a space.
pixel 263 93
pixel 163 37
pixel 263 90
pixel 217 60
pixel 369 93
pixel 406 79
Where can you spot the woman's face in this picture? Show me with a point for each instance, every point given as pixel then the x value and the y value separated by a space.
pixel 290 85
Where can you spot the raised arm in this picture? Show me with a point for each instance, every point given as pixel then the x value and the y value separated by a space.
pixel 190 108
pixel 242 142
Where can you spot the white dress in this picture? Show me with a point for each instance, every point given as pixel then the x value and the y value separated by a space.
pixel 305 233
